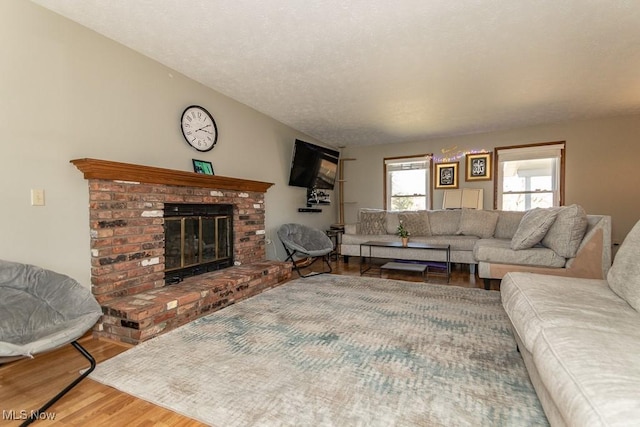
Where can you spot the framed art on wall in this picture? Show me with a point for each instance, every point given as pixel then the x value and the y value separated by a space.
pixel 478 167
pixel 446 175
pixel 202 166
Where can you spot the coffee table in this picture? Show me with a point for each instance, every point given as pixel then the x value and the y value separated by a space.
pixel 403 266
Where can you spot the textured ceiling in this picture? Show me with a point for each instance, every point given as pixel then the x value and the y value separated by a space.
pixel 378 71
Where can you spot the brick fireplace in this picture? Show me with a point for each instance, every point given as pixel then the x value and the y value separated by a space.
pixel 126 205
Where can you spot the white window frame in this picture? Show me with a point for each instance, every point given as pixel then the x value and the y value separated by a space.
pixel 392 164
pixel 531 152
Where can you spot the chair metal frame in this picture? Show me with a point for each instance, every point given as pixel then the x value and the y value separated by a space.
pixel 35 415
pixel 291 254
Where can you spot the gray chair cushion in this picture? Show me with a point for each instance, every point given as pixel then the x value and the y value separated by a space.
pixel 41 309
pixel 304 239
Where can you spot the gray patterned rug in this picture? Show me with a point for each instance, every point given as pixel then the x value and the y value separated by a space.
pixel 339 351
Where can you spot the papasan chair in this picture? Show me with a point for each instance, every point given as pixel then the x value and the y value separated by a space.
pixel 301 241
pixel 41 310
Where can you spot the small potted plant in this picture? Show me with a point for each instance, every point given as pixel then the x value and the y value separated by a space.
pixel 403 233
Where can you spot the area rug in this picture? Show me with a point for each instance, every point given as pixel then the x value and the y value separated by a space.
pixel 339 351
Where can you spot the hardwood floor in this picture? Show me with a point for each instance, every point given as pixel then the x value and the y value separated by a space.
pixel 27 384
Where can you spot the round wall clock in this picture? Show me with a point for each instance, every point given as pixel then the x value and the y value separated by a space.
pixel 199 128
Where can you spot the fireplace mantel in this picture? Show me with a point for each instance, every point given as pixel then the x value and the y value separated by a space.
pixel 108 170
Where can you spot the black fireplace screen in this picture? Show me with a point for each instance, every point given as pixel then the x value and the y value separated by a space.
pixel 198 238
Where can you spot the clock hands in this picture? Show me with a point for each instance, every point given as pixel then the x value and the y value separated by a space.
pixel 202 128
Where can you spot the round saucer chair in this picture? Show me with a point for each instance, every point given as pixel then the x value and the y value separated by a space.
pixel 41 310
pixel 303 242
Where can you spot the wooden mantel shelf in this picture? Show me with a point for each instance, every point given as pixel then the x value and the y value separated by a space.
pixel 115 171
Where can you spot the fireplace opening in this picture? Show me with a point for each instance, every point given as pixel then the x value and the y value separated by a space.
pixel 198 239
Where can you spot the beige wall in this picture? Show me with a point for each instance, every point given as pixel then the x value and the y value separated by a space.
pixel 601 166
pixel 67 92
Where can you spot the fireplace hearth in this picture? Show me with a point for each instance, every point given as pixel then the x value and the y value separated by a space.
pixel 198 239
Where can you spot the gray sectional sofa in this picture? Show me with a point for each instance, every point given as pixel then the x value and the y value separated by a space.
pixel 561 241
pixel 580 340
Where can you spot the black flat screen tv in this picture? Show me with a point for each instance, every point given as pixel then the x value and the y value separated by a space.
pixel 313 166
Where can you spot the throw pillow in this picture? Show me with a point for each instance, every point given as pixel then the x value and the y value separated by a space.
pixel 372 221
pixel 624 274
pixel 533 226
pixel 478 223
pixel 416 223
pixel 567 231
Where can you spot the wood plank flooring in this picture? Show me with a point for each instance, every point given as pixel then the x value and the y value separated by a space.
pixel 27 384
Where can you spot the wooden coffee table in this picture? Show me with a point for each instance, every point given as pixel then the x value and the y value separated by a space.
pixel 366 264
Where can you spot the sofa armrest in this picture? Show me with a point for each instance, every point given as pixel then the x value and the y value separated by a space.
pixel 594 248
pixel 351 228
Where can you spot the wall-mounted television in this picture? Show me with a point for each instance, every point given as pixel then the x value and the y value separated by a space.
pixel 313 166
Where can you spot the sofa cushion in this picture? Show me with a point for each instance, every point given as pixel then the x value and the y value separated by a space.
pixel 416 223
pixel 444 222
pixel 357 239
pixel 392 222
pixel 593 375
pixel 456 243
pixel 566 232
pixel 499 251
pixel 507 224
pixel 534 225
pixel 535 302
pixel 478 223
pixel 624 274
pixel 372 221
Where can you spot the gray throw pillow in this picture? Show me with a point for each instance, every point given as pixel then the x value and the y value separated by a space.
pixel 567 231
pixel 624 274
pixel 416 223
pixel 478 223
pixel 533 226
pixel 372 222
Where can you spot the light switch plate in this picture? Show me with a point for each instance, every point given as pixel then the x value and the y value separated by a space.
pixel 37 197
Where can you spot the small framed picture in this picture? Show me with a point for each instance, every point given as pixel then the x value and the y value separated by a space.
pixel 446 175
pixel 202 166
pixel 478 167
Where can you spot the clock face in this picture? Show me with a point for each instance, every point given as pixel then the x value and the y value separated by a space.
pixel 199 128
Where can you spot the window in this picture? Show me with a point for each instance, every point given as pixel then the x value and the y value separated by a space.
pixel 530 176
pixel 407 183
